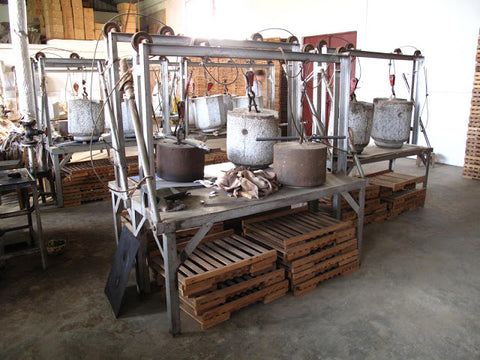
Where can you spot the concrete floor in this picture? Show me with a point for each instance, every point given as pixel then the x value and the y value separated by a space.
pixel 416 296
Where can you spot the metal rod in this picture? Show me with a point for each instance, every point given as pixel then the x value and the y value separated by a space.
pixel 203 147
pixel 293 138
pixel 148 173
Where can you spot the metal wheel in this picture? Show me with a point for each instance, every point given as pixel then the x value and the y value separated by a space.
pixel 257 37
pixel 140 37
pixel 308 47
pixel 320 45
pixel 166 30
pixel 110 26
pixel 293 40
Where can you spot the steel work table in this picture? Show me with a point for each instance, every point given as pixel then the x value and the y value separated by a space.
pixel 25 181
pixel 197 215
pixel 373 154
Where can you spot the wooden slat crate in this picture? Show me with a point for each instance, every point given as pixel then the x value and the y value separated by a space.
pixel 219 260
pixel 224 274
pixel 395 181
pixel 308 244
pixel 80 183
pixel 405 200
pixel 231 289
pixel 223 312
pixel 471 168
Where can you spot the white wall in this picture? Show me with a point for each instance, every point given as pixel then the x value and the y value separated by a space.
pixel 445 31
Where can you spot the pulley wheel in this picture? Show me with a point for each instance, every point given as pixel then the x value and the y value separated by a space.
pixel 140 37
pixel 257 37
pixel 292 40
pixel 308 47
pixel 321 44
pixel 109 27
pixel 39 55
pixel 74 56
pixel 166 30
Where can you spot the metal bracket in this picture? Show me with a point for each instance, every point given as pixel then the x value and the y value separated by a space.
pixel 195 240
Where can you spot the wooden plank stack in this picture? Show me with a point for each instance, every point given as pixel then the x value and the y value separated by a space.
pixel 223 275
pixel 312 247
pixel 471 167
pixel 53 17
pixel 388 195
pixel 129 20
pixel 399 191
pixel 70 19
pixel 80 183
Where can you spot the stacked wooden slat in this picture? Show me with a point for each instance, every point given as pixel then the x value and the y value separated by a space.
pixel 399 191
pixel 129 20
pixel 225 274
pixel 67 14
pixel 80 183
pixel 313 247
pixel 52 13
pixel 471 168
pixel 375 210
pixel 89 23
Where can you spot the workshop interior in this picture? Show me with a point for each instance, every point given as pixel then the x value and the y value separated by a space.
pixel 240 166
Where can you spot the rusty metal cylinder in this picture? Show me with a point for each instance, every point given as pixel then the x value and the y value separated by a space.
pixel 300 164
pixel 179 162
pixel 243 129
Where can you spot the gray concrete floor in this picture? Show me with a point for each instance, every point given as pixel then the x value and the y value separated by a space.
pixel 416 295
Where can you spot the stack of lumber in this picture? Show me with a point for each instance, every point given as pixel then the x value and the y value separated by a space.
pixel 388 195
pixel 399 191
pixel 129 19
pixel 225 274
pixel 375 210
pixel 70 19
pixel 80 183
pixel 312 247
pixel 471 168
pixel 53 17
pixel 216 156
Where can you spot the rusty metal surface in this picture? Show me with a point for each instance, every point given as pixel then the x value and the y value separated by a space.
pixel 179 162
pixel 300 164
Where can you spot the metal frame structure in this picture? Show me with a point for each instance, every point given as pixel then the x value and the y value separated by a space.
pixel 143 211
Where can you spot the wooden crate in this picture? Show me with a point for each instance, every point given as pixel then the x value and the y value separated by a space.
pixel 219 260
pixel 223 312
pixel 308 244
pixel 78 20
pixel 471 168
pixel 80 183
pixel 394 181
pixel 89 24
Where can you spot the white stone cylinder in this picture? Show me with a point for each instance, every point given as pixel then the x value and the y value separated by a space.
pixel 391 122
pixel 85 119
pixel 243 128
pixel 360 119
pixel 210 114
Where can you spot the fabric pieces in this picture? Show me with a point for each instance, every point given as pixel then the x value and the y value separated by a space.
pixel 244 182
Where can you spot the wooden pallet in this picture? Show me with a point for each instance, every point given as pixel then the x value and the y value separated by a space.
pixel 298 233
pixel 232 289
pixel 405 200
pixel 471 169
pixel 223 312
pixel 310 285
pixel 220 260
pixel 216 156
pixel 395 181
pixel 80 183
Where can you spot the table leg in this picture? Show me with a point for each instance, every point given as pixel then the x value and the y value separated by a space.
pixel 141 269
pixel 41 243
pixel 360 216
pixel 391 165
pixel 427 168
pixel 171 262
pixel 58 179
pixel 117 207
